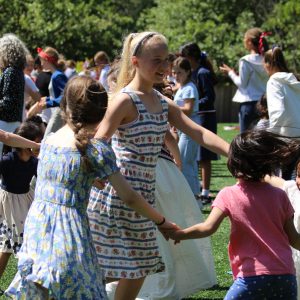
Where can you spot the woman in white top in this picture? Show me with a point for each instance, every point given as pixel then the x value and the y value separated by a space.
pixel 283 95
pixel 187 98
pixel 283 98
pixel 252 78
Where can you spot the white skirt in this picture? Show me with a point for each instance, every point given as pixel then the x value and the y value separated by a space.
pixel 290 187
pixel 189 264
pixel 13 212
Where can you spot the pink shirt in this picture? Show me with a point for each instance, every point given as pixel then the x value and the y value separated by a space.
pixel 258 243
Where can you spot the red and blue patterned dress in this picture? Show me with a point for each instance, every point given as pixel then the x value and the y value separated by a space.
pixel 125 241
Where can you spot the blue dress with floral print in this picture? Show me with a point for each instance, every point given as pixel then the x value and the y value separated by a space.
pixel 57 252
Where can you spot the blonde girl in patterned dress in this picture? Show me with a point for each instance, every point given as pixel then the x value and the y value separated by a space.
pixel 57 259
pixel 137 120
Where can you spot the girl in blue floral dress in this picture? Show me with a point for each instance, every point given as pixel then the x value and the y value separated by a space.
pixel 57 259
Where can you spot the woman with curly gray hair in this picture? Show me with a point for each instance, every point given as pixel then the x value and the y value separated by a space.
pixel 12 62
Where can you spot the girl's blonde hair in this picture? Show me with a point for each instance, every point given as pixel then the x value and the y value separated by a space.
pixel 133 46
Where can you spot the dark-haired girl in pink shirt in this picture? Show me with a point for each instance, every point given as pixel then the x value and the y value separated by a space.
pixel 261 217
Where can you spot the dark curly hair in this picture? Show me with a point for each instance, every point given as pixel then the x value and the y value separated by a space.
pixel 256 153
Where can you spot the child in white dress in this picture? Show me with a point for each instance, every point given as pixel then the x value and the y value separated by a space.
pixel 292 188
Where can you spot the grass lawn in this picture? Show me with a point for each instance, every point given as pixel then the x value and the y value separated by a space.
pixel 220 178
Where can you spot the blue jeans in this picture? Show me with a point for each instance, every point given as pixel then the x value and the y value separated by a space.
pixel 188 152
pixel 247 115
pixel 263 287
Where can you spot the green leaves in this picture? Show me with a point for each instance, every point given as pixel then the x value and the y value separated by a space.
pixel 80 28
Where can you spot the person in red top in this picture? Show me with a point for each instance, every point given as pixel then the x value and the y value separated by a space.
pixel 261 217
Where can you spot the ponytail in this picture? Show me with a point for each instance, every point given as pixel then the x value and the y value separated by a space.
pixel 127 71
pixel 262 43
pixel 258 40
pixel 82 138
pixel 206 63
pixel 275 59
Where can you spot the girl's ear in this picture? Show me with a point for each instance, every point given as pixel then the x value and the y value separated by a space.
pixel 134 60
pixel 249 44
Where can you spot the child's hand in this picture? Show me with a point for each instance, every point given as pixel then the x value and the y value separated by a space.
pixel 176 235
pixel 36 150
pixel 34 109
pixel 225 69
pixel 167 228
pixel 178 164
pixel 99 183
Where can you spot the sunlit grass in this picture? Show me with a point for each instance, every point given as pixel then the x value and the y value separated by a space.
pixel 220 178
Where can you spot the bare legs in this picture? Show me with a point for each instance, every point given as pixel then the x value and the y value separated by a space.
pixel 205 166
pixel 4 257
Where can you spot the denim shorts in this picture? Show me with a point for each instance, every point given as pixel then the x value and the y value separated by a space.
pixel 264 287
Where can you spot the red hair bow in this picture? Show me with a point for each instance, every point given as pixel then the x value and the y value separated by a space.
pixel 260 43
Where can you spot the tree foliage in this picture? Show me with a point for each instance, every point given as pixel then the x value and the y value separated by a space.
pixel 79 28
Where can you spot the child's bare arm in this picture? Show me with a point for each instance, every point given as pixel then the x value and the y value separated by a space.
pixel 199 134
pixel 293 235
pixel 172 145
pixel 201 230
pixel 121 110
pixel 14 140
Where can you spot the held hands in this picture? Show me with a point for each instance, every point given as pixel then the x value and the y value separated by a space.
pixel 34 109
pixel 168 229
pixel 99 183
pixel 37 107
pixel 225 69
pixel 42 103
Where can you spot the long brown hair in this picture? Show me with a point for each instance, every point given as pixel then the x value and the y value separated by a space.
pixel 275 59
pixel 84 102
pixel 258 40
pixel 193 51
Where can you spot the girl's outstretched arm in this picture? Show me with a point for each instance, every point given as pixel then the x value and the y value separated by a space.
pixel 14 140
pixel 293 235
pixel 198 133
pixel 201 230
pixel 135 201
